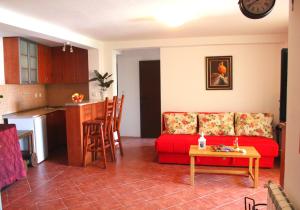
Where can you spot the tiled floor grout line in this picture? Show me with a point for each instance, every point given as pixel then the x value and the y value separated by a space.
pixel 62 200
pixel 27 192
pixel 238 199
pixel 155 183
pixel 200 196
pixel 30 190
pixel 6 196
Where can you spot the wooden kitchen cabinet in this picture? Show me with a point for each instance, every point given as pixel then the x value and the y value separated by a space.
pixel 81 69
pixel 56 129
pixel 75 115
pixel 20 61
pixel 45 64
pixel 26 62
pixel 58 65
pixel 70 68
pixel 11 60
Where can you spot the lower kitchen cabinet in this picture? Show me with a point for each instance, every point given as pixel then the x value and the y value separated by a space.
pixel 56 129
pixel 76 114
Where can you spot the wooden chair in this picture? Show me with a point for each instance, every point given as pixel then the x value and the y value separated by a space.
pixel 97 134
pixel 117 121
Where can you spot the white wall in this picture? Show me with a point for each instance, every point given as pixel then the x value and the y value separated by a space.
pixel 128 84
pixel 292 154
pixel 256 72
pixel 256 79
pixel 110 47
pixel 94 63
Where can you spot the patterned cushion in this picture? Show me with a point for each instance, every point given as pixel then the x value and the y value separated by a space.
pixel 218 124
pixel 181 123
pixel 254 124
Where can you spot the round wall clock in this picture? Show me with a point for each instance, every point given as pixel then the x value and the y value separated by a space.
pixel 256 9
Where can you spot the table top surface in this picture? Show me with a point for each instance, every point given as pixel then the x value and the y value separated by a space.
pixel 251 152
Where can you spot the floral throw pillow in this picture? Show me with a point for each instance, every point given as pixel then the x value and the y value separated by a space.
pixel 181 123
pixel 254 124
pixel 218 124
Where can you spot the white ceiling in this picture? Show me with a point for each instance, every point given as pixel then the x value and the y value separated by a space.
pixel 109 20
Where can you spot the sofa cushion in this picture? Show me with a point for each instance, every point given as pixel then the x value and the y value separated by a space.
pixel 254 124
pixel 180 144
pixel 180 123
pixel 175 143
pixel 216 124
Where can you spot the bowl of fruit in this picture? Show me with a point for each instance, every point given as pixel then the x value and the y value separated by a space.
pixel 77 97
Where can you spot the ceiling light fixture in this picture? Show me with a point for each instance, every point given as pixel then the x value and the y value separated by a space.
pixel 64 48
pixel 66 44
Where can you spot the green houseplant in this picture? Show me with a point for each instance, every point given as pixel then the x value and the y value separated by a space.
pixel 103 81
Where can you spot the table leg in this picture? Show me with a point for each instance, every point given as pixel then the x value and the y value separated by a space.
pixel 192 170
pixel 256 172
pixel 250 165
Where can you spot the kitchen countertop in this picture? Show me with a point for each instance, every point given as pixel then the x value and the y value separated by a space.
pixel 83 103
pixel 32 113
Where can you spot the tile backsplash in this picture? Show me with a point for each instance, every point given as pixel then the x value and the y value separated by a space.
pixel 60 94
pixel 21 97
pixel 24 97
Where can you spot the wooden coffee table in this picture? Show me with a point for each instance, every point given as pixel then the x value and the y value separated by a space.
pixel 251 153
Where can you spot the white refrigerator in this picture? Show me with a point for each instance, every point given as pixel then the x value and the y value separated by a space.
pixel 38 126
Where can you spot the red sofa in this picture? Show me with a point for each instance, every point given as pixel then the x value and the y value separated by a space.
pixel 174 148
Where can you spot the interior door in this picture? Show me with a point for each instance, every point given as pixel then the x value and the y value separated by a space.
pixel 150 103
pixel 283 84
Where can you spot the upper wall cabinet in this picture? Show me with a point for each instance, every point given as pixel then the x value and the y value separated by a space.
pixel 20 61
pixel 45 64
pixel 26 62
pixel 70 67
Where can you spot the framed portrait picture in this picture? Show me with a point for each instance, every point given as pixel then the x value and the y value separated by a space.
pixel 218 73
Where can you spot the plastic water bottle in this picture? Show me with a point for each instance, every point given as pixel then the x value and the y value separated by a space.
pixel 202 142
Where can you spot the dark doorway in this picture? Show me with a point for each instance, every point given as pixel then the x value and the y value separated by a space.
pixel 150 98
pixel 283 84
pixel 281 128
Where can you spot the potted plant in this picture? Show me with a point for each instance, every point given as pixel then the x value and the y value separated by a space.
pixel 103 82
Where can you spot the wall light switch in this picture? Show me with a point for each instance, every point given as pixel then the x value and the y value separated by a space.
pixel 36 95
pixel 40 95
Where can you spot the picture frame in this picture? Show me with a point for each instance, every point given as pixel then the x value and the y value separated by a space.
pixel 218 72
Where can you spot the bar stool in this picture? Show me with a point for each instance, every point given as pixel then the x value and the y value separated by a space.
pixel 117 123
pixel 97 134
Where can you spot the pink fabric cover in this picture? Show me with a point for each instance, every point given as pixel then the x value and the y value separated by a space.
pixel 174 148
pixel 11 162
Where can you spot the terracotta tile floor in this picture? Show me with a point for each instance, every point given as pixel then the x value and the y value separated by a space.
pixel 135 181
